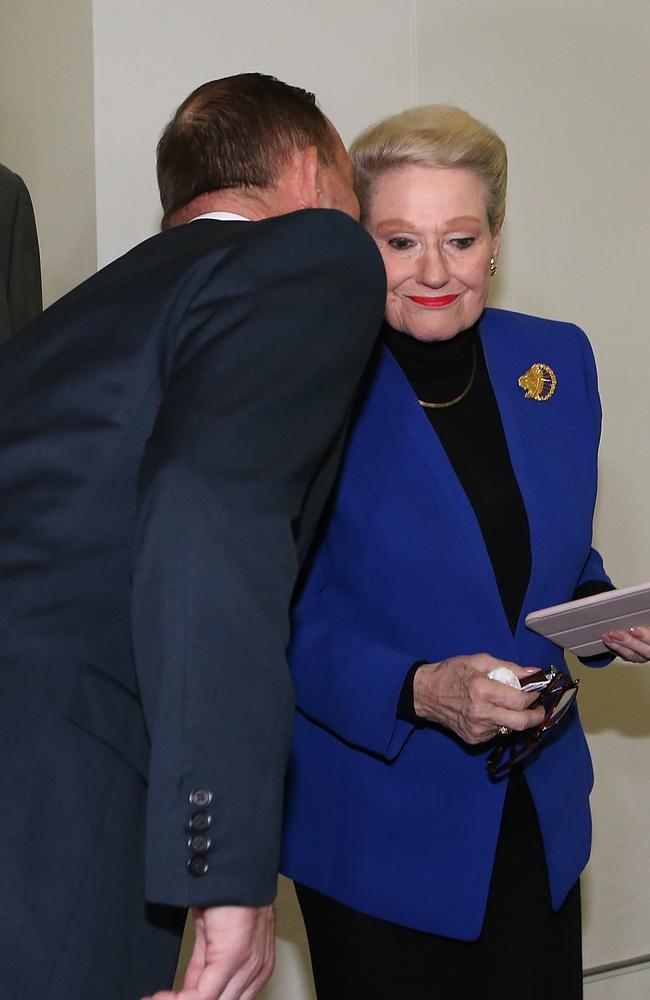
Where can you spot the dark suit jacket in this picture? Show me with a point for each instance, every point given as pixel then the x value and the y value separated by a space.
pixel 397 820
pixel 20 265
pixel 163 460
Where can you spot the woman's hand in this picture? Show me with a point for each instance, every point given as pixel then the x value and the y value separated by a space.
pixel 456 693
pixel 633 645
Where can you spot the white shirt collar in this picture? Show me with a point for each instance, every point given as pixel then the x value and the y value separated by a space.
pixel 221 216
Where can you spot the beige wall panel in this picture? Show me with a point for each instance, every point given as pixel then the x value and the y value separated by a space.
pixel 150 55
pixel 566 85
pixel 631 986
pixel 292 979
pixel 46 128
pixel 615 709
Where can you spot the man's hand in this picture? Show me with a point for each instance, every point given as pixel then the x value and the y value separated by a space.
pixel 233 955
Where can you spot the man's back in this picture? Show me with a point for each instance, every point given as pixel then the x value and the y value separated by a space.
pixel 81 391
pixel 164 429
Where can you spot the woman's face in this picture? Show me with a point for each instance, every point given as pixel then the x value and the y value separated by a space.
pixel 431 227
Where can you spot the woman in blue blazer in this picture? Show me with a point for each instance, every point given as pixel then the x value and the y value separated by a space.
pixel 465 501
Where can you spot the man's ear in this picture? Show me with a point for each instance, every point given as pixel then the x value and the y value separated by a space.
pixel 305 177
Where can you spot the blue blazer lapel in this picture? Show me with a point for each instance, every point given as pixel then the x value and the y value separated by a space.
pixel 547 447
pixel 395 392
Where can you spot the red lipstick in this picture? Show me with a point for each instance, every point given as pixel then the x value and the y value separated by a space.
pixel 435 302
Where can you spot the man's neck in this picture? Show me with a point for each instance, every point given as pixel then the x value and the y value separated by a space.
pixel 253 205
pixel 221 216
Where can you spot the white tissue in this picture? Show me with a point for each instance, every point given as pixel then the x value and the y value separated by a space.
pixel 505 676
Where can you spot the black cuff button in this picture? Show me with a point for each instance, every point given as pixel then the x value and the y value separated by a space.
pixel 199 844
pixel 200 822
pixel 200 798
pixel 197 867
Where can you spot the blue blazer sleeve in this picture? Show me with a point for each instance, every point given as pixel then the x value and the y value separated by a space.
pixel 345 681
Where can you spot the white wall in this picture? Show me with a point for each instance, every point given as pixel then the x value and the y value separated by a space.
pixel 149 55
pixel 623 986
pixel 46 129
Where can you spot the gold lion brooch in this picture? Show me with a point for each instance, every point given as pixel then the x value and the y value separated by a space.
pixel 539 382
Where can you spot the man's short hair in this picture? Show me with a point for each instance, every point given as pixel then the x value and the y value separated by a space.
pixel 237 132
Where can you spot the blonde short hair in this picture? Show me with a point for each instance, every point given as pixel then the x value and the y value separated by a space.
pixel 434 135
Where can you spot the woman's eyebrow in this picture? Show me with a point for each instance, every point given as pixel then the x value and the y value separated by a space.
pixel 396 224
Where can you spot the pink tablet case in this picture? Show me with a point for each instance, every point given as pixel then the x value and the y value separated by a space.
pixel 579 625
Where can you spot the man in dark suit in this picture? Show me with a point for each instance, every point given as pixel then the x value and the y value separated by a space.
pixel 20 263
pixel 169 432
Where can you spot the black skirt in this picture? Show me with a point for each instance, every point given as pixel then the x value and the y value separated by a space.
pixel 526 949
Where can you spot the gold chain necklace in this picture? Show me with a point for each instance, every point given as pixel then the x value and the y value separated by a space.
pixel 452 402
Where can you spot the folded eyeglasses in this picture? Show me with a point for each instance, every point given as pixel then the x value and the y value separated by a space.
pixel 557 694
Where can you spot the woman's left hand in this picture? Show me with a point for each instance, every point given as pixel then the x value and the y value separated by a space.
pixel 633 645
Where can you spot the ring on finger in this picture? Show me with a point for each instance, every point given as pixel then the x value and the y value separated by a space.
pixel 504 730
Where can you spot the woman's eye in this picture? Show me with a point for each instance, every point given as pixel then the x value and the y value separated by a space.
pixel 400 243
pixel 463 242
